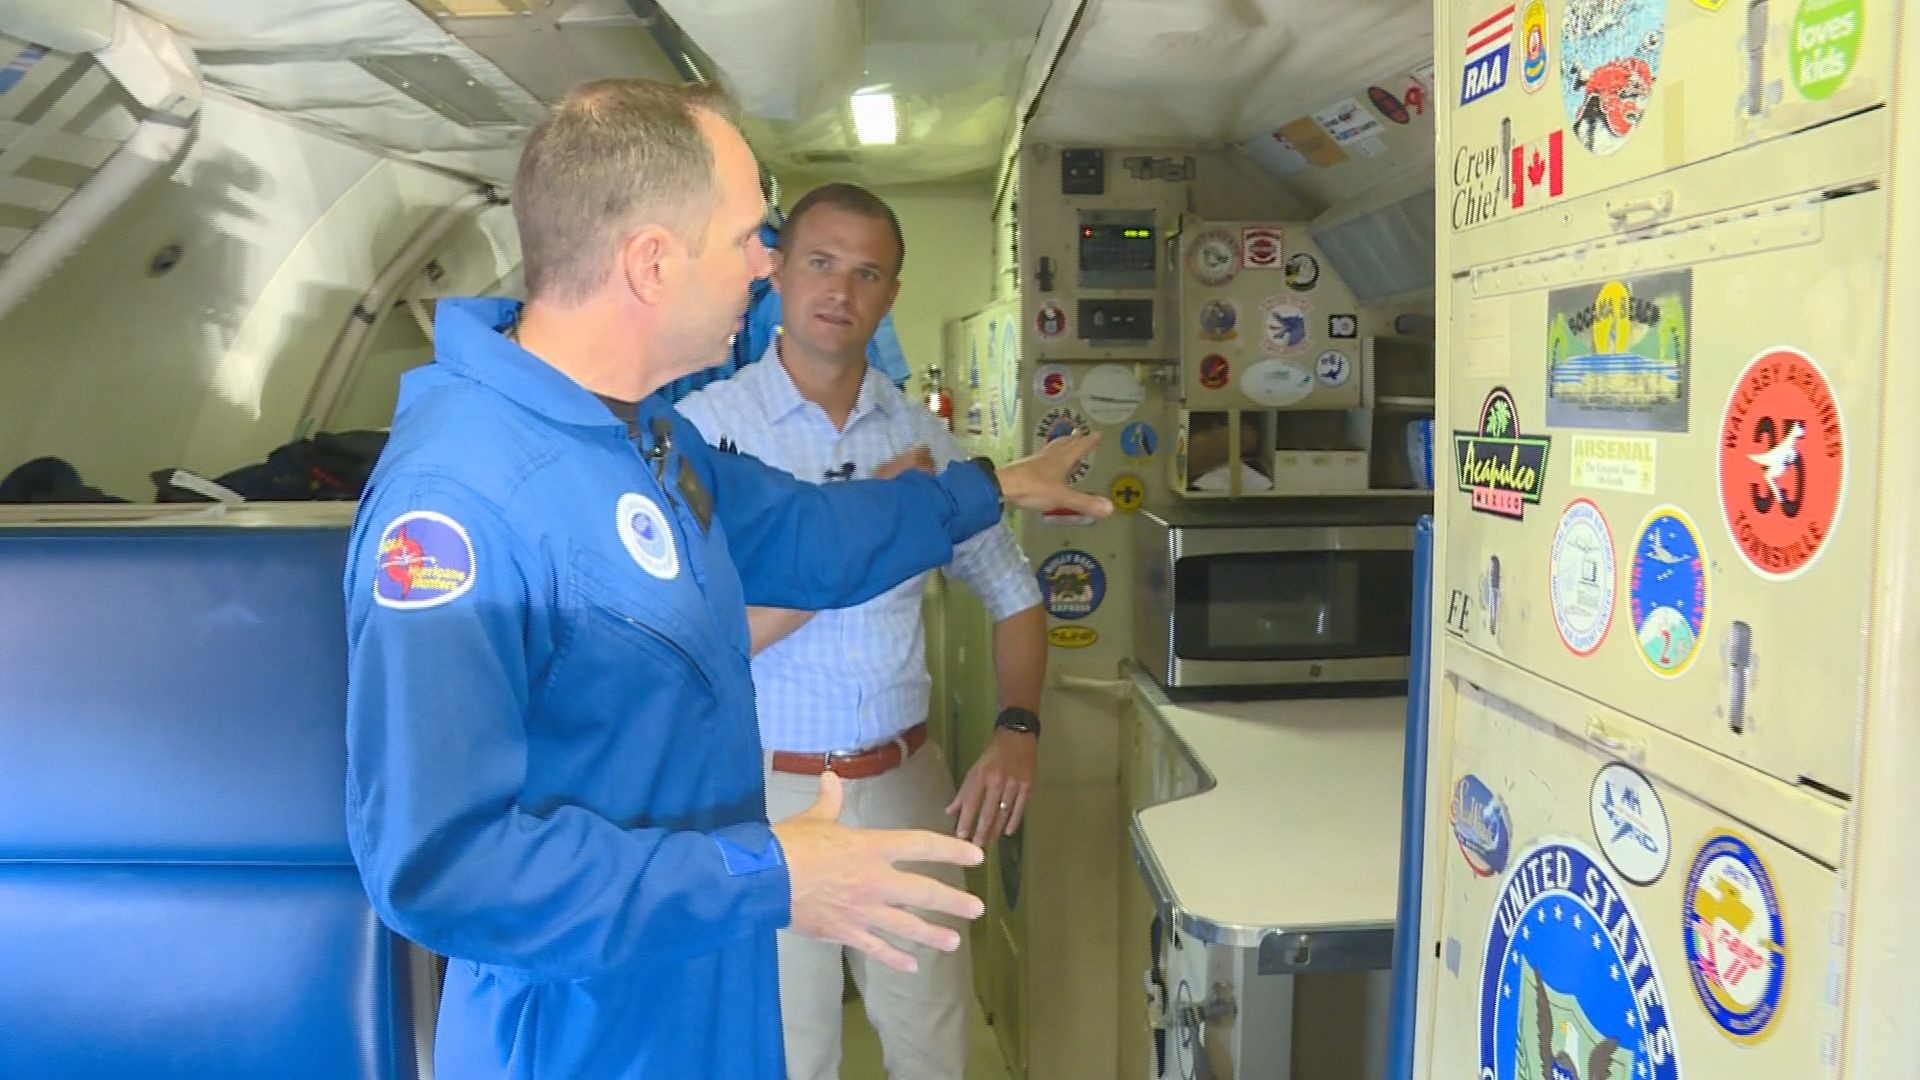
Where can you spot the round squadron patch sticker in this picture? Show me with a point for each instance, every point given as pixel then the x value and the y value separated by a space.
pixel 1283 326
pixel 1735 938
pixel 1073 583
pixel 1570 990
pixel 1582 575
pixel 1667 591
pixel 426 559
pixel 647 536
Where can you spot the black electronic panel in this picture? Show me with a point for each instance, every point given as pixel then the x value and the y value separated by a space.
pixel 1083 172
pixel 1118 249
pixel 1116 322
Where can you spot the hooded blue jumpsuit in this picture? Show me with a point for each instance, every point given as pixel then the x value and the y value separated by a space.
pixel 554 772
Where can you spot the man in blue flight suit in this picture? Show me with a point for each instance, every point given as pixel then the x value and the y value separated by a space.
pixel 554 771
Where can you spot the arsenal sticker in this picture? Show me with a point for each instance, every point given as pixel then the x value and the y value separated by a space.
pixel 1782 466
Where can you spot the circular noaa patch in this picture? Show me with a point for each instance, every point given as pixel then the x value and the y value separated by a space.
pixel 647 536
pixel 1736 939
pixel 426 559
pixel 1570 989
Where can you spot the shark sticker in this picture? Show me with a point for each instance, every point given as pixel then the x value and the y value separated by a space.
pixel 1782 465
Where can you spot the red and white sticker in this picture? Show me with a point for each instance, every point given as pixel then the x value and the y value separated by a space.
pixel 1261 248
pixel 1052 382
pixel 1050 320
pixel 1782 466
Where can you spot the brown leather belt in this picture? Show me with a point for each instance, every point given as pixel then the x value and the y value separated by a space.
pixel 854 764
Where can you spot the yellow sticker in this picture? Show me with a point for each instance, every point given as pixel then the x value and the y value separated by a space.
pixel 1127 493
pixel 1711 5
pixel 1613 463
pixel 1073 637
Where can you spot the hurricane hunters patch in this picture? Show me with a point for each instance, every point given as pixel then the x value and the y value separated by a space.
pixel 425 559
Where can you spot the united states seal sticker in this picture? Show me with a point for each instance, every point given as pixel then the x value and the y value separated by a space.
pixel 1570 989
pixel 647 536
pixel 424 560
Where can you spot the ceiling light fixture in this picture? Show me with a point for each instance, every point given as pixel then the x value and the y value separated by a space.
pixel 875 121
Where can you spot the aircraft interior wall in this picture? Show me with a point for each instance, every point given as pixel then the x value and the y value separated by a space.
pixel 272 232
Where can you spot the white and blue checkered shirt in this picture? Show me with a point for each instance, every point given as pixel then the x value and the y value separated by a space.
pixel 852 677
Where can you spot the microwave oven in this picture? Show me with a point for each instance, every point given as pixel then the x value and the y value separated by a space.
pixel 1278 593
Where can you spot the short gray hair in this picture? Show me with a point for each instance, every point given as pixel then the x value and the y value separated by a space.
pixel 613 154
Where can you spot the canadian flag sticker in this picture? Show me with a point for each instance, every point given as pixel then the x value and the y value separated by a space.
pixel 1539 170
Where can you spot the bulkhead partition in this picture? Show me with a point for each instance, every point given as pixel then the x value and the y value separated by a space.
pixel 174 874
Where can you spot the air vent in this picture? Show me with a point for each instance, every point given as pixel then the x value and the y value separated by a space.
pixel 825 157
pixel 441 84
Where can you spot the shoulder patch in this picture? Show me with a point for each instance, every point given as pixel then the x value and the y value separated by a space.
pixel 646 535
pixel 425 559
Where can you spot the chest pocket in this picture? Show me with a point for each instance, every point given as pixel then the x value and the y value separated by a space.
pixel 634 648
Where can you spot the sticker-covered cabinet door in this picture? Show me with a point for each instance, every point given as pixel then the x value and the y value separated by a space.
pixel 1264 320
pixel 1557 99
pixel 1653 450
pixel 1597 923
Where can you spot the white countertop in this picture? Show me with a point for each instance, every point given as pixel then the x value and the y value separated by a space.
pixel 1300 831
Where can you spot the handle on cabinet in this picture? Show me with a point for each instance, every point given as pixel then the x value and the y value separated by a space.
pixel 1620 746
pixel 1641 213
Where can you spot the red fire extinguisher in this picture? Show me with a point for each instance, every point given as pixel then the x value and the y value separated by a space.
pixel 939 401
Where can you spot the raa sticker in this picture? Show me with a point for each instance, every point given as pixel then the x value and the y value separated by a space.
pixel 425 559
pixel 1488 52
pixel 1503 469
pixel 1570 989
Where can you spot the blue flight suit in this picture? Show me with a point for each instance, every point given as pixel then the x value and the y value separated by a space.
pixel 554 771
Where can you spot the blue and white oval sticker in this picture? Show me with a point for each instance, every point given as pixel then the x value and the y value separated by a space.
pixel 647 536
pixel 1480 826
pixel 1736 937
pixel 1570 988
pixel 426 559
pixel 1630 822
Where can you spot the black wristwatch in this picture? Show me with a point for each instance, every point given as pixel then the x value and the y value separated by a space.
pixel 986 466
pixel 1015 718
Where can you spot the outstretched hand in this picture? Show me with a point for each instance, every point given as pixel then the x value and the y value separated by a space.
pixel 846 888
pixel 1039 480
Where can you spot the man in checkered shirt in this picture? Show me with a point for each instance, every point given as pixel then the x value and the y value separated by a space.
pixel 848 689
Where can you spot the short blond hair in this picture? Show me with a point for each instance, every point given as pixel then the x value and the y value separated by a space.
pixel 612 155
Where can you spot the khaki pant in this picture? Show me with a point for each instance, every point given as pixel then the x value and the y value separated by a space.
pixel 921 1018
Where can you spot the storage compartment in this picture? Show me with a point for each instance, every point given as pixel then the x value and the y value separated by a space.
pixel 1598 918
pixel 1317 453
pixel 1662 459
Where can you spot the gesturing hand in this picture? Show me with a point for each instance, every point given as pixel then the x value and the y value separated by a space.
pixel 846 887
pixel 1039 480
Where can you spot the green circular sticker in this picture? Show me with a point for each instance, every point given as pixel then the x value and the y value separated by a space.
pixel 1826 43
